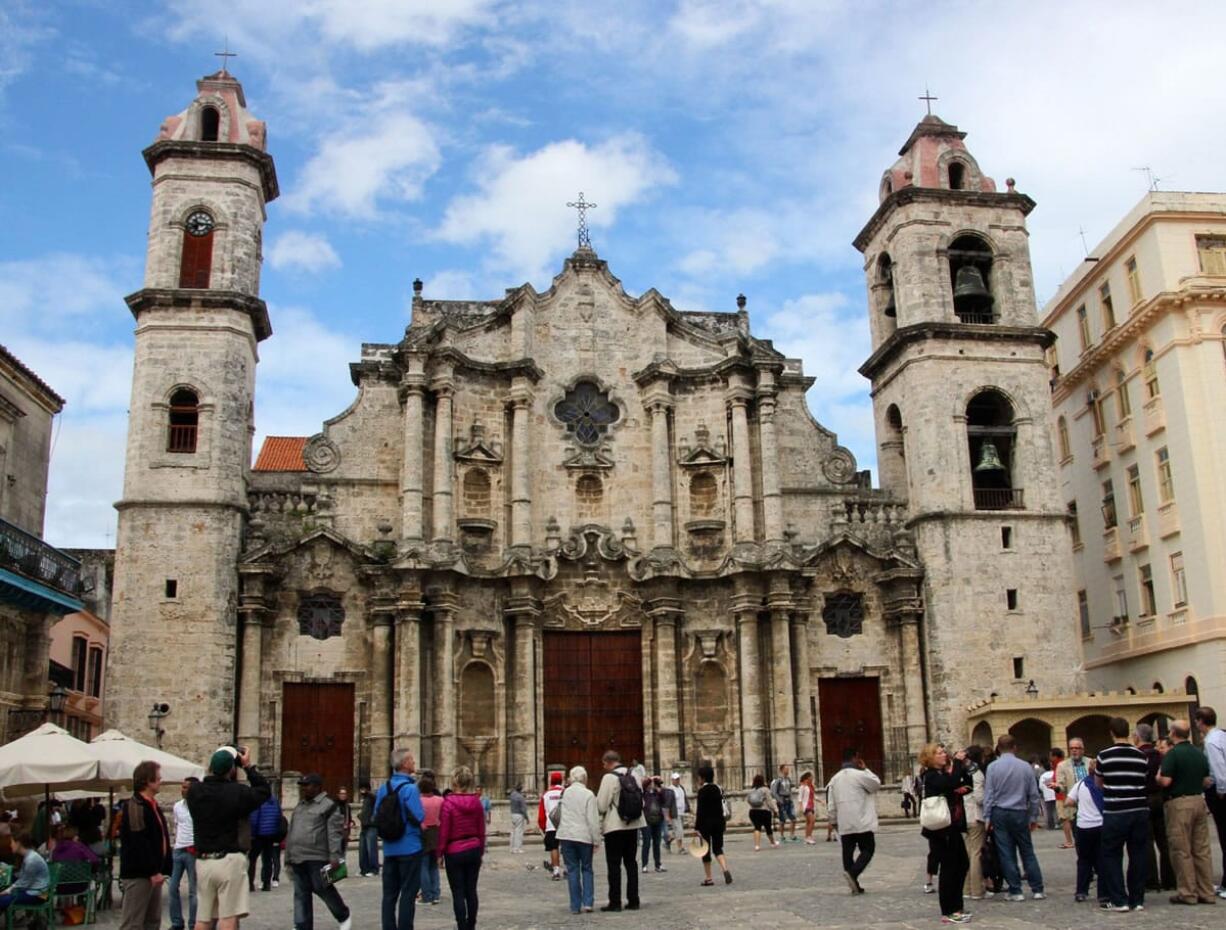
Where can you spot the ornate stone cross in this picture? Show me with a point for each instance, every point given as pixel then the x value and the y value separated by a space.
pixel 585 240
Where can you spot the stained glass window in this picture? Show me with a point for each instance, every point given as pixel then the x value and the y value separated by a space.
pixel 320 616
pixel 587 412
pixel 844 614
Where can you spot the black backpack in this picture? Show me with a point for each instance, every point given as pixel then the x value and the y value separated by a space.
pixel 653 810
pixel 390 816
pixel 629 798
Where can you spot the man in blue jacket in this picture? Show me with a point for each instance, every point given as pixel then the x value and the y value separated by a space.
pixel 265 838
pixel 402 856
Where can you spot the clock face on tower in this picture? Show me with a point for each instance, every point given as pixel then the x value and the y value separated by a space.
pixel 199 223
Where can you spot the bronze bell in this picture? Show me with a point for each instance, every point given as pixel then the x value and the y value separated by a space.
pixel 891 309
pixel 970 293
pixel 989 458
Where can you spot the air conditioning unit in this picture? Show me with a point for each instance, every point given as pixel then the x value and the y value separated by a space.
pixel 1091 397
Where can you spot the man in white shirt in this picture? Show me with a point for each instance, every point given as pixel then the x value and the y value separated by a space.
pixel 183 858
pixel 1215 751
pixel 853 809
pixel 680 808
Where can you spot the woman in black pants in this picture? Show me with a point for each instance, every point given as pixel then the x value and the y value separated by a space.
pixel 709 822
pixel 947 778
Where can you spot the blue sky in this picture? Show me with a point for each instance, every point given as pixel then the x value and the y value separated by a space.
pixel 732 145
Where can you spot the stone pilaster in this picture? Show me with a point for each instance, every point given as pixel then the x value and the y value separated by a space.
pixel 772 494
pixel 661 475
pixel 249 683
pixel 738 397
pixel 667 612
pixel 443 610
pixel 802 684
pixel 745 610
pixel 783 699
pixel 412 388
pixel 408 676
pixel 906 622
pixel 381 678
pixel 524 614
pixel 444 466
pixel 521 494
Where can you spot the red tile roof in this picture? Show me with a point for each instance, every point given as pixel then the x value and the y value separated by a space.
pixel 281 453
pixel 11 359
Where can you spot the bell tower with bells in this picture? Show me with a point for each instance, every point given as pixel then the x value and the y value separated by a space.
pixel 960 399
pixel 175 624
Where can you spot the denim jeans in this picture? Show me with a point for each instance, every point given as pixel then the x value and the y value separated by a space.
pixel 401 879
pixel 1012 831
pixel 1129 830
pixel 184 863
pixel 430 890
pixel 651 835
pixel 463 869
pixel 308 882
pixel 579 876
pixel 368 851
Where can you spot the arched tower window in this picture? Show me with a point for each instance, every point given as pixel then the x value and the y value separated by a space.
pixel 210 124
pixel 885 278
pixel 970 270
pixel 704 495
pixel 196 262
pixel 184 421
pixel 992 437
pixel 957 175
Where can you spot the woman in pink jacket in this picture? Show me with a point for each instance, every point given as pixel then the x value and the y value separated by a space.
pixel 461 843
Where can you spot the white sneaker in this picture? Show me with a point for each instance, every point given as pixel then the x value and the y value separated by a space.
pixel 1038 896
pixel 275 883
pixel 346 924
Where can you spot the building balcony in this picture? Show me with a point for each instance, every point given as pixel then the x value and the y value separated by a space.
pixel 1101 452
pixel 1178 616
pixel 999 499
pixel 1124 435
pixel 35 575
pixel 1155 416
pixel 1138 535
pixel 1168 519
pixel 1111 544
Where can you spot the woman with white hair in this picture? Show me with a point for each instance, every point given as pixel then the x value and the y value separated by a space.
pixel 579 836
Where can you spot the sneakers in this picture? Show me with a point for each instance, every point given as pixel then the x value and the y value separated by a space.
pixel 1039 896
pixel 929 888
pixel 1137 907
pixel 956 918
pixel 660 868
pixel 346 924
pixel 277 884
pixel 1015 897
pixel 1108 906
pixel 1081 898
pixel 644 870
pixel 810 842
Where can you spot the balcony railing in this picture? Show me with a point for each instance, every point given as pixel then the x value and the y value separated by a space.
pixel 981 318
pixel 1124 438
pixel 999 499
pixel 1102 451
pixel 1155 415
pixel 28 555
pixel 1168 519
pixel 1111 544
pixel 182 438
pixel 1138 536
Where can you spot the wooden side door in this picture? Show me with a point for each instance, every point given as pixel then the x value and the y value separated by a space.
pixel 568 698
pixel 850 714
pixel 317 732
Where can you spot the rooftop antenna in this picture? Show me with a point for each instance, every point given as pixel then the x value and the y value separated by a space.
pixel 1149 176
pixel 1085 248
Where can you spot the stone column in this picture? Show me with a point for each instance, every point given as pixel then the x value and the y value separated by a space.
pixel 412 387
pixel 521 494
pixel 667 613
pixel 381 677
pixel 408 677
pixel 772 495
pixel 661 476
pixel 802 682
pixel 249 683
pixel 783 699
pixel 524 614
pixel 742 467
pixel 443 611
pixel 444 470
pixel 745 609
pixel 907 623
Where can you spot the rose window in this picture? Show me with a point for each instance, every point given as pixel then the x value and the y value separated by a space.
pixel 587 413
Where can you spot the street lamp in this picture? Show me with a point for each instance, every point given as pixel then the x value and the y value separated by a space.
pixel 56 701
pixel 1031 689
pixel 156 715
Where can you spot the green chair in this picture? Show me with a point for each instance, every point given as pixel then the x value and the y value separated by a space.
pixel 6 875
pixel 46 907
pixel 77 878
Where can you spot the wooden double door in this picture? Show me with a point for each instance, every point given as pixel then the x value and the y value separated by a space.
pixel 593 699
pixel 317 732
pixel 850 714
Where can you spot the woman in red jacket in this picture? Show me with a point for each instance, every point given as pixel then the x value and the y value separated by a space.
pixel 461 842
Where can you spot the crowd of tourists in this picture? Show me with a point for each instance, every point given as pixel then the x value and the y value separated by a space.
pixel 1142 801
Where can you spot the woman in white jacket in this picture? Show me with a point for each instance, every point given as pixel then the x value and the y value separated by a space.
pixel 579 836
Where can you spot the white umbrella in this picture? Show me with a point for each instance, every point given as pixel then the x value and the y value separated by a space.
pixel 45 758
pixel 118 755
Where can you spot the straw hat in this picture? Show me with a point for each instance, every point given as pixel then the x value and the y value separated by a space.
pixel 697 847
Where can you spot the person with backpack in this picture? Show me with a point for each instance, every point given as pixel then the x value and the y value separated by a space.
pixel 544 819
pixel 266 833
pixel 653 818
pixel 620 803
pixel 761 810
pixel 313 847
pixel 781 788
pixel 398 818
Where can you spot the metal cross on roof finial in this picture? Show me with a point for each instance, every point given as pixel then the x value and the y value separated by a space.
pixel 585 240
pixel 928 98
pixel 224 55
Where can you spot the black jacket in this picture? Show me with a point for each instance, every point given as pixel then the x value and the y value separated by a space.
pixel 938 781
pixel 218 805
pixel 144 839
pixel 709 810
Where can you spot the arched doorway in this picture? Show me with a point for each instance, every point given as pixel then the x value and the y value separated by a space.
pixel 1160 722
pixel 982 735
pixel 1033 738
pixel 1092 731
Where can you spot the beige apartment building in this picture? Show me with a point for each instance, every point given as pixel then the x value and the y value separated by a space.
pixel 1139 422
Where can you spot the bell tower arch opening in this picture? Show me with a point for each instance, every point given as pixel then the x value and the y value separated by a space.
pixel 970 270
pixel 992 437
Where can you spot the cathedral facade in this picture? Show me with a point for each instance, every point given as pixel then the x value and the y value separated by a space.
pixel 560 522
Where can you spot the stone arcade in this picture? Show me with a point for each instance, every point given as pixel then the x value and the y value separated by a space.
pixel 557 522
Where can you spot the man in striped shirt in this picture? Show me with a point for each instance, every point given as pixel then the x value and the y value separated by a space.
pixel 1120 771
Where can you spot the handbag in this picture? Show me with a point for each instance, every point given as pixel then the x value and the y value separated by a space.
pixel 934 813
pixel 555 815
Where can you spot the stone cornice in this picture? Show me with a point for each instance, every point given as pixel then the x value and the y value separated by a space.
pixel 151 298
pixel 216 151
pixel 974 332
pixel 667 370
pixel 523 367
pixel 909 195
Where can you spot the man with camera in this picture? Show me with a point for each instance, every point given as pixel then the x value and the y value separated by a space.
pixel 218 804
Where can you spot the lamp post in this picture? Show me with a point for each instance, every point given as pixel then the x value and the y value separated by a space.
pixel 55 704
pixel 156 715
pixel 1032 690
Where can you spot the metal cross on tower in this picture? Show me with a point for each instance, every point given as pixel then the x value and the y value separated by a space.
pixel 928 98
pixel 585 240
pixel 223 55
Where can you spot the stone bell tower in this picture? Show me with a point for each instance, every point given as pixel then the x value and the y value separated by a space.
pixel 199 319
pixel 960 399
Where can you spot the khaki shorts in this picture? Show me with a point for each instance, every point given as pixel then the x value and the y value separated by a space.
pixel 221 887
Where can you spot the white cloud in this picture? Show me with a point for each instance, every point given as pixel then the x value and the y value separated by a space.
pixel 311 252
pixel 353 172
pixel 42 294
pixel 303 375
pixel 735 242
pixel 86 479
pixel 520 207
pixel 20 33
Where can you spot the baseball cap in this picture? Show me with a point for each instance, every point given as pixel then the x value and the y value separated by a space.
pixel 555 778
pixel 676 776
pixel 222 760
pixel 311 778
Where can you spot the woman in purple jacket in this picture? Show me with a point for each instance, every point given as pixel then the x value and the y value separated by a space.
pixel 461 842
